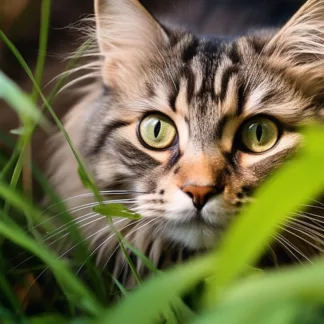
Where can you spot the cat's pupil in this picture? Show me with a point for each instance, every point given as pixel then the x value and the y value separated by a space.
pixel 157 129
pixel 259 132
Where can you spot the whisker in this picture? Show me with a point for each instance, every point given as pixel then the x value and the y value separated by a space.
pixel 90 194
pixel 118 245
pixel 100 245
pixel 308 224
pixel 313 215
pixel 314 206
pixel 62 237
pixel 273 253
pixel 78 208
pixel 155 220
pixel 135 229
pixel 84 225
pixel 286 247
pixel 308 229
pixel 162 226
pixel 84 240
pixel 71 210
pixel 66 226
pixel 312 218
pixel 294 248
pixel 318 202
pixel 302 238
pixel 92 75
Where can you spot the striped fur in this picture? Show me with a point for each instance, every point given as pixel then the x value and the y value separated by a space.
pixel 208 87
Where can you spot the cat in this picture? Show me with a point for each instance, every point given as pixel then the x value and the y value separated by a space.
pixel 182 129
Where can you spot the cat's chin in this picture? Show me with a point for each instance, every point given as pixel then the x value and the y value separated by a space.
pixel 195 235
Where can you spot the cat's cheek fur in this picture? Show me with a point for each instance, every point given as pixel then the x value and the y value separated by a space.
pixel 179 207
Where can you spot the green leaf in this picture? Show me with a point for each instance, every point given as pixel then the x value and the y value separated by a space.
pixel 48 319
pixel 75 290
pixel 253 313
pixel 144 259
pixel 87 183
pixel 277 297
pixel 7 291
pixel 19 101
pixel 146 304
pixel 116 210
pixel 18 131
pixel 299 283
pixel 43 37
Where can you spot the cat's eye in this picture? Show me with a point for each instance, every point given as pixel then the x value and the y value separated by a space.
pixel 157 131
pixel 259 134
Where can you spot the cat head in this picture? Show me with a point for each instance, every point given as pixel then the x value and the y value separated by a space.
pixel 193 125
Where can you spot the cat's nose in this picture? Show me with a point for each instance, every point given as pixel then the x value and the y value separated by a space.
pixel 199 194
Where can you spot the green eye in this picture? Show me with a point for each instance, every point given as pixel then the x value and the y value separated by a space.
pixel 157 131
pixel 259 134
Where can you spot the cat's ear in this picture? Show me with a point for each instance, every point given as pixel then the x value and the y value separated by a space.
pixel 127 34
pixel 298 48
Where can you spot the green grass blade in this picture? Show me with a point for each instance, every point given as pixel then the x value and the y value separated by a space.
pixel 43 36
pixel 7 291
pixel 146 304
pixel 82 168
pixel 141 256
pixel 19 101
pixel 48 319
pixel 269 313
pixel 26 68
pixel 81 249
pixel 271 298
pixel 28 124
pixel 21 204
pixel 116 210
pixel 10 163
pixel 75 290
pixel 305 284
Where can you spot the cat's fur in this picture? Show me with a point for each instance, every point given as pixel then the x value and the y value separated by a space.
pixel 208 87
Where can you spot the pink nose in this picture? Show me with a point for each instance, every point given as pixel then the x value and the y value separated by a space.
pixel 199 194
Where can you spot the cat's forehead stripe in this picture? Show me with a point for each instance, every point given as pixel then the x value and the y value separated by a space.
pixel 173 94
pixel 234 54
pixel 181 102
pixel 194 81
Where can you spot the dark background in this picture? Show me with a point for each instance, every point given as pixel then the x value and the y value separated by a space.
pixel 19 19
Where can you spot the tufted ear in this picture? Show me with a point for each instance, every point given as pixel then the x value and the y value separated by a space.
pixel 298 48
pixel 127 34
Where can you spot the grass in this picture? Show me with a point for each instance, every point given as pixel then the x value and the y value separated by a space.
pixel 222 286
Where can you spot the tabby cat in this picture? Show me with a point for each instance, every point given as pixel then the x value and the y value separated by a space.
pixel 182 129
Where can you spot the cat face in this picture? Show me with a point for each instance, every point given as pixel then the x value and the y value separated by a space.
pixel 193 125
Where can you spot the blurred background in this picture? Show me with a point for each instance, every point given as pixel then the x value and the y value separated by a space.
pixel 19 20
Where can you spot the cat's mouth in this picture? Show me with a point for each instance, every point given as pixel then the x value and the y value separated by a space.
pixel 197 220
pixel 194 234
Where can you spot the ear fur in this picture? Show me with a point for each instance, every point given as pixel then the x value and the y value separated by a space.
pixel 127 35
pixel 299 47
